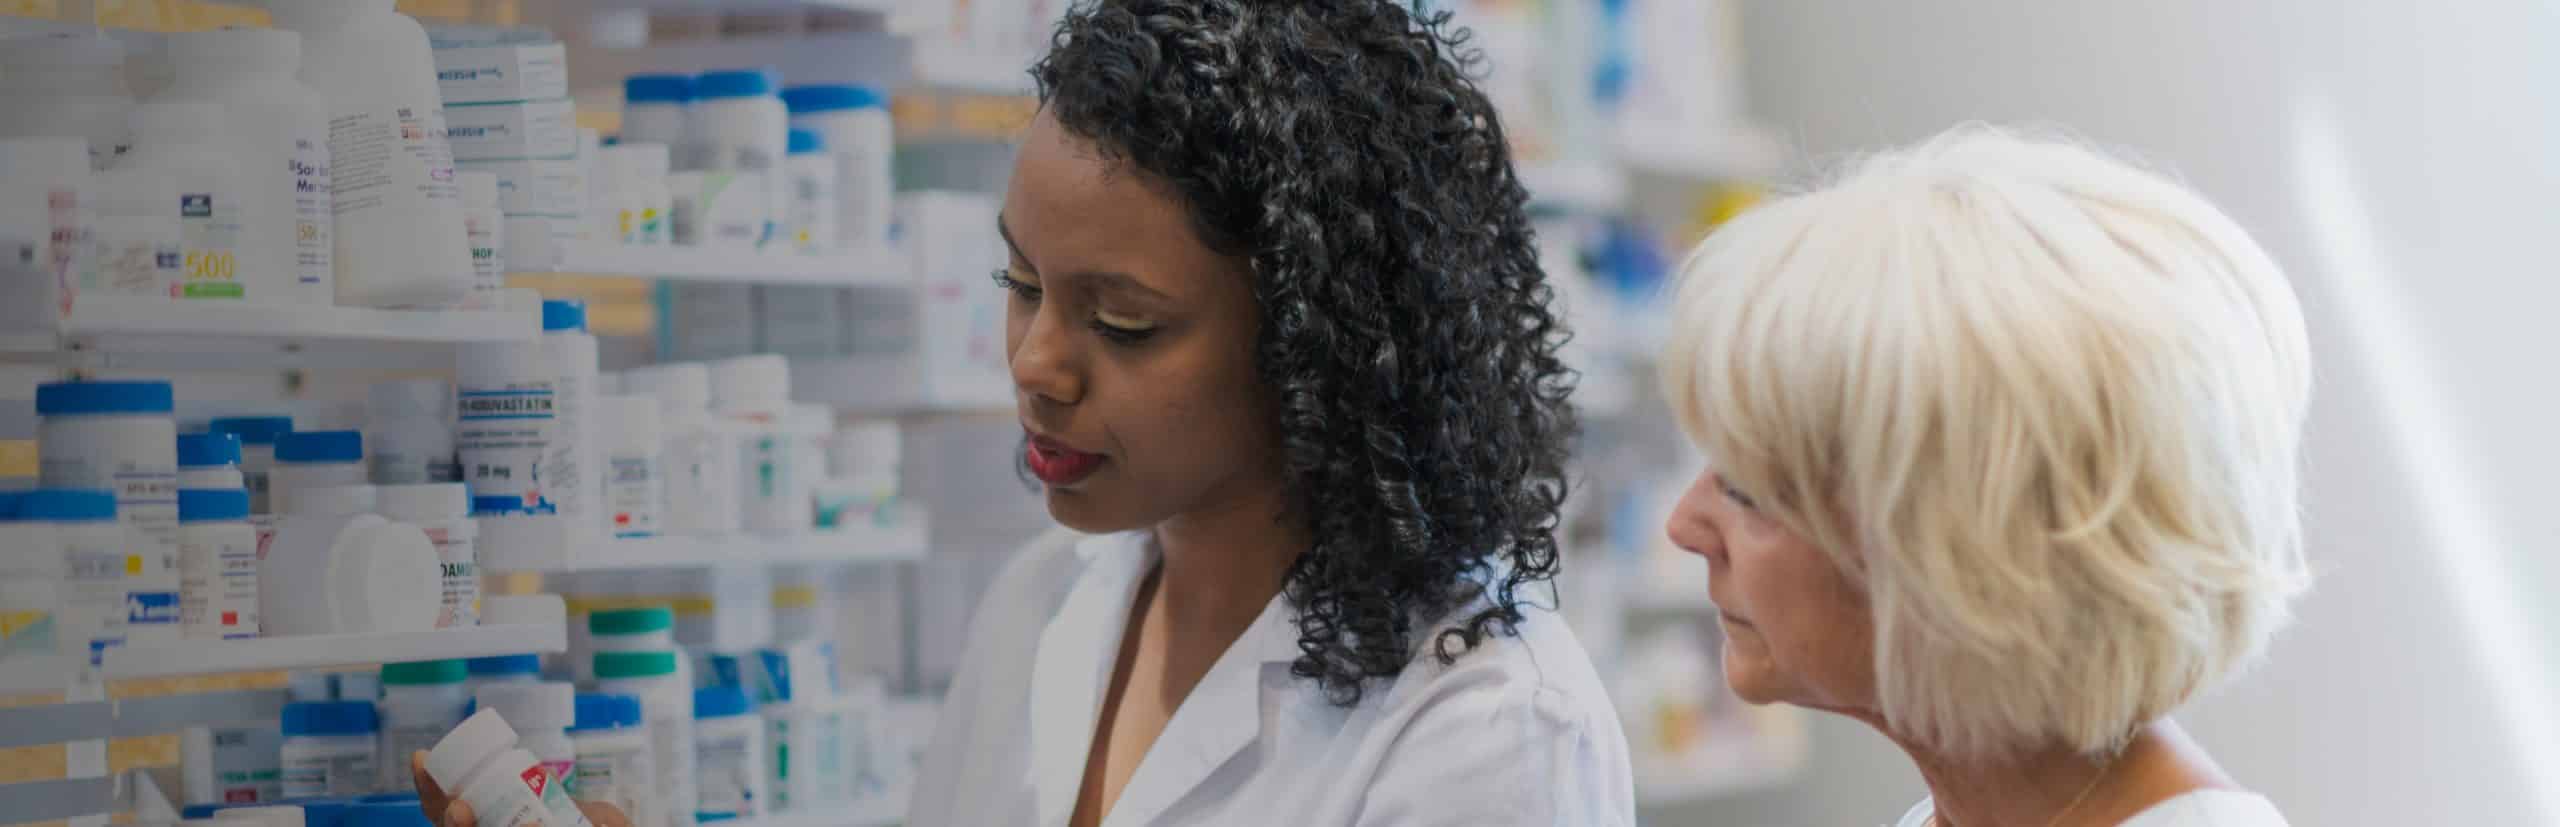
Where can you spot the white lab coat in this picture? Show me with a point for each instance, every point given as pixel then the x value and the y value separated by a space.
pixel 1517 731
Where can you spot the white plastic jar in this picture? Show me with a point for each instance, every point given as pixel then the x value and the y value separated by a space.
pixel 523 429
pixel 541 713
pixel 666 704
pixel 409 431
pixel 335 567
pixel 633 183
pixel 277 133
pixel 614 763
pixel 397 236
pixel 484 229
pixel 443 511
pixel 481 763
pixel 635 489
pixel 700 458
pixel 421 701
pixel 729 755
pixel 858 130
pixel 329 748
pixel 654 111
pixel 141 244
pixel 119 436
pixel 69 85
pixel 809 215
pixel 258 435
pixel 217 565
pixel 740 128
pixel 177 141
pixel 80 525
pixel 316 459
pixel 210 460
pixel 753 397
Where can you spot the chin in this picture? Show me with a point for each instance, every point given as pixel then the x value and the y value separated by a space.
pixel 1080 510
pixel 1751 681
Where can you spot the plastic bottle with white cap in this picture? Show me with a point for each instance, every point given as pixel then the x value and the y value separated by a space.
pixel 701 456
pixel 177 141
pixel 753 394
pixel 210 460
pixel 67 85
pixel 335 567
pixel 541 713
pixel 443 511
pixel 480 762
pixel 635 491
pixel 277 133
pixel 484 227
pixel 217 565
pixel 524 431
pixel 636 206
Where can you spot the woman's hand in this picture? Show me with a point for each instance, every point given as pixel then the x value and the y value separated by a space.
pixel 447 812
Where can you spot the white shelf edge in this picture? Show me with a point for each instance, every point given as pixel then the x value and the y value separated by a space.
pixel 322 651
pixel 102 315
pixel 866 267
pixel 864 545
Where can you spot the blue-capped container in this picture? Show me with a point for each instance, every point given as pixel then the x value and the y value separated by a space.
pixel 118 435
pixel 209 460
pixel 329 748
pixel 385 814
pixel 316 459
pixel 739 123
pixel 258 435
pixel 654 111
pixel 729 742
pixel 84 552
pixel 219 550
pixel 502 669
pixel 854 124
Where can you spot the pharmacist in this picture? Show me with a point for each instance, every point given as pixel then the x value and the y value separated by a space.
pixel 1282 354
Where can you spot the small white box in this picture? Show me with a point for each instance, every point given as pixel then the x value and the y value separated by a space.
pixel 502 74
pixel 526 130
pixel 546 187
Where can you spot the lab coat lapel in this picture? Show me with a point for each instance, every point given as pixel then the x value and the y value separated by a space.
pixel 1221 716
pixel 1072 667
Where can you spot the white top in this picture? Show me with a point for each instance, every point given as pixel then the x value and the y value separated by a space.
pixel 2202 808
pixel 1517 731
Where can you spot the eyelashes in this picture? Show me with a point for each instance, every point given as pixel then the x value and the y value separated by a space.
pixel 1119 334
pixel 1735 494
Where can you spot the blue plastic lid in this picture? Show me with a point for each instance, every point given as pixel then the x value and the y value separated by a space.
pixel 201 505
pixel 505 665
pixel 192 812
pixel 67 505
pixel 329 718
pixel 831 98
pixel 733 83
pixel 657 89
pixel 380 814
pixel 208 450
pixel 563 314
pixel 9 507
pixel 320 811
pixel 721 702
pixel 253 430
pixel 388 798
pixel 597 710
pixel 141 397
pixel 321 446
pixel 805 141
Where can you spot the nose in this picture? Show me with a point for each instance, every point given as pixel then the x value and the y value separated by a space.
pixel 1692 524
pixel 1043 361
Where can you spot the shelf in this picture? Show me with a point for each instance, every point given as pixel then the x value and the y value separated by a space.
pixel 1573 186
pixel 872 267
pixel 323 651
pixel 867 544
pixel 104 319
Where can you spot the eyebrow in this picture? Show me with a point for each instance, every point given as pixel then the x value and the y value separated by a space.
pixel 1106 279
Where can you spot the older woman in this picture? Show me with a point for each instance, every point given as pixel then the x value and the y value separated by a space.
pixel 2002 440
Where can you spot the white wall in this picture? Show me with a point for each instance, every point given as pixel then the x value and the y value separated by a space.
pixel 2402 159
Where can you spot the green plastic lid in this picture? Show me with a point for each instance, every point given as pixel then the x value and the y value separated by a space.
pixel 424 672
pixel 638 621
pixel 610 665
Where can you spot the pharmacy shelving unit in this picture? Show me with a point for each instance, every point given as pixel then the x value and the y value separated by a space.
pixel 105 330
pixel 899 542
pixel 867 267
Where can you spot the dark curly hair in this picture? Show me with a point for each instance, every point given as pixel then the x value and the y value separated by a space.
pixel 1341 148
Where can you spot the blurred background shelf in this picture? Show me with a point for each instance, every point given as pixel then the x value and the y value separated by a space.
pixel 869 267
pixel 903 541
pixel 213 657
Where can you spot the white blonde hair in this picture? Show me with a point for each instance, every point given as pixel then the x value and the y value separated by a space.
pixel 2045 406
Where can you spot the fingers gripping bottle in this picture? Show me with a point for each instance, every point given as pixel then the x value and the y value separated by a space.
pixel 507 787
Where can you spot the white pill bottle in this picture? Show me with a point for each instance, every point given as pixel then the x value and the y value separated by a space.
pixel 506 786
pixel 614 758
pixel 666 703
pixel 421 700
pixel 277 132
pixel 522 428
pixel 856 125
pixel 217 564
pixel 542 713
pixel 729 755
pixel 119 436
pixel 398 239
pixel 701 457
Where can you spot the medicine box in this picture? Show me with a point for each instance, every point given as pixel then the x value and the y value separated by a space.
pixel 502 74
pixel 547 187
pixel 512 131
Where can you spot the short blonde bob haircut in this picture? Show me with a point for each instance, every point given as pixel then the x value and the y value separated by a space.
pixel 2044 406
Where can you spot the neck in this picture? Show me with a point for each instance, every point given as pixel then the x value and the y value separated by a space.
pixel 1223 564
pixel 2057 786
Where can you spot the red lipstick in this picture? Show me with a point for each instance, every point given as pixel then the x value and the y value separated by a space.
pixel 1056 464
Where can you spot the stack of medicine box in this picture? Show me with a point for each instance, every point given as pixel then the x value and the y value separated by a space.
pixel 507 111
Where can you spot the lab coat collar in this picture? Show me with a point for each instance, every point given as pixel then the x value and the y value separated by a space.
pixel 1072 670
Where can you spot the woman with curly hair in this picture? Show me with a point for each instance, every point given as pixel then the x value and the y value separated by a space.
pixel 1283 356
